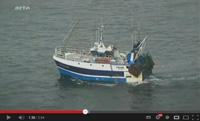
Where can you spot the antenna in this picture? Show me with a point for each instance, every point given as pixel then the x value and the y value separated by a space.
pixel 91 44
pixel 132 40
pixel 97 34
pixel 101 33
pixel 135 36
pixel 132 32
pixel 139 32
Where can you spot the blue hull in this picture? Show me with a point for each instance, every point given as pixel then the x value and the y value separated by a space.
pixel 89 71
pixel 90 78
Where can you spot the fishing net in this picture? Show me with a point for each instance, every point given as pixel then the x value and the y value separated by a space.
pixel 143 64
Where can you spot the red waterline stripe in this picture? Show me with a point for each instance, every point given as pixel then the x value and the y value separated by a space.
pixel 67 112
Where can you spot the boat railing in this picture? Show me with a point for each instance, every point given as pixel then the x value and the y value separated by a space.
pixel 61 50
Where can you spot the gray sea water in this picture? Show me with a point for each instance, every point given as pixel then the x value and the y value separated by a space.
pixel 29 79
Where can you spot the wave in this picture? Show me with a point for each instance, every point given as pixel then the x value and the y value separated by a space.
pixel 167 79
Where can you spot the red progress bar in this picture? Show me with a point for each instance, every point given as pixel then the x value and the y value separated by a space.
pixel 67 112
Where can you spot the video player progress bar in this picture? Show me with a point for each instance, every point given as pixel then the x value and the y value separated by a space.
pixel 84 111
pixel 48 112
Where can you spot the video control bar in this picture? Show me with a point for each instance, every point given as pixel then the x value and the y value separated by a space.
pixel 94 115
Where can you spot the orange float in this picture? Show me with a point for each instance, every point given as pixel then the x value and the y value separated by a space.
pixel 103 60
pixel 108 60
pixel 77 51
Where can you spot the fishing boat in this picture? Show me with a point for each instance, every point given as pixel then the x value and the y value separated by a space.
pixel 102 63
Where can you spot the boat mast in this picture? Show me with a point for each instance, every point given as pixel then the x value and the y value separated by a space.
pixel 101 34
pixel 97 35
pixel 132 40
